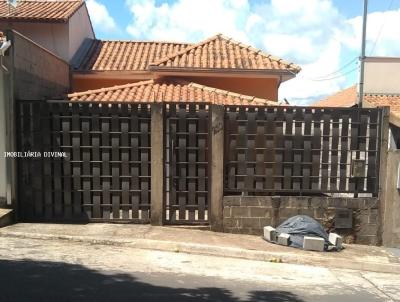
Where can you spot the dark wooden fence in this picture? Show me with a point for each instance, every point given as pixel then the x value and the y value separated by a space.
pixel 103 168
pixel 187 163
pixel 301 150
pixel 105 174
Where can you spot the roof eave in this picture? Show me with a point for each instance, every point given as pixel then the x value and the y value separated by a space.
pixel 162 71
pixel 34 20
pixel 112 74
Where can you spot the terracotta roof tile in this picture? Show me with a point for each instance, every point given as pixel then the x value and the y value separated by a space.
pixel 349 97
pixel 40 10
pixel 220 52
pixel 391 100
pixel 125 55
pixel 169 91
pixel 343 98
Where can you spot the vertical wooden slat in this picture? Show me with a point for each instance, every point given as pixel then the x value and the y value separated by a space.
pixel 37 164
pixel 344 147
pixel 241 141
pixel 288 152
pixel 279 149
pixel 260 147
pixel 334 151
pixel 232 126
pixel 316 150
pixel 47 161
pixel 192 171
pixel 372 152
pixel 145 161
pixel 76 165
pixel 355 118
pixel 325 164
pixel 250 159
pixel 182 159
pixel 86 151
pixel 362 146
pixel 96 165
pixel 297 146
pixel 57 162
pixel 307 153
pixel 173 160
pixel 115 165
pixel 270 151
pixel 66 124
pixel 124 161
pixel 134 157
pixel 105 158
pixel 203 162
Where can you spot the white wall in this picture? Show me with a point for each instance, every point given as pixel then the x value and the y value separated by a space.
pixel 382 75
pixel 79 29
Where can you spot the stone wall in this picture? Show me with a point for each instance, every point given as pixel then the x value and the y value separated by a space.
pixel 249 214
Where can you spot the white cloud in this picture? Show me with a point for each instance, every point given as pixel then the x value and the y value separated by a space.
pixel 311 33
pixel 100 16
pixel 382 28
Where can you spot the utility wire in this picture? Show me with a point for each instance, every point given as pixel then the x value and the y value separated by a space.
pixel 337 71
pixel 381 28
pixel 336 77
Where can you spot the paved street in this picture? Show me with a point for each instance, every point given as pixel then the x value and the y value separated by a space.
pixel 51 270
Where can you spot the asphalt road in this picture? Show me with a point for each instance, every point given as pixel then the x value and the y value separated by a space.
pixel 44 270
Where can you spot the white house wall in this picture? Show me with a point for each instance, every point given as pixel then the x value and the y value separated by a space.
pixel 382 75
pixel 79 29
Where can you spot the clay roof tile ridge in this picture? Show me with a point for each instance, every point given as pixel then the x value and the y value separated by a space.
pixel 112 88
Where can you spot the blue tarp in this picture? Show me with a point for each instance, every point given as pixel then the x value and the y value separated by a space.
pixel 301 225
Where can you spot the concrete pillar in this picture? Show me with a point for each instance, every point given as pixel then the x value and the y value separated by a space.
pixel 157 164
pixel 217 167
pixel 382 194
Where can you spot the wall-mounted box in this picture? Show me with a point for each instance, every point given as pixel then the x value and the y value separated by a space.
pixel 358 168
pixel 343 218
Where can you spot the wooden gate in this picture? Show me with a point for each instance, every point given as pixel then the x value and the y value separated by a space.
pixel 89 161
pixel 186 164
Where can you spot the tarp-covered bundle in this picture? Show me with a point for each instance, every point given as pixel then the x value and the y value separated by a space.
pixel 299 226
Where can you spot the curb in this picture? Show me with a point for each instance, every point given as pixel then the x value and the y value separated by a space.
pixel 212 250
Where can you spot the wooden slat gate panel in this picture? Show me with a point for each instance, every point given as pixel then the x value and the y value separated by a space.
pixel 301 150
pixel 105 174
pixel 186 164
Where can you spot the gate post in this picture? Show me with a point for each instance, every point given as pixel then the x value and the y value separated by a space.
pixel 382 191
pixel 157 164
pixel 216 181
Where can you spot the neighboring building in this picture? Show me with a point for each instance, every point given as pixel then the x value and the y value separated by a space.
pixel 381 88
pixel 58 26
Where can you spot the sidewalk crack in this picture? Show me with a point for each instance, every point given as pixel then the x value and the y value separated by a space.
pixel 376 287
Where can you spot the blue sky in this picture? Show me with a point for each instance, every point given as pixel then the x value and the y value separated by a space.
pixel 322 36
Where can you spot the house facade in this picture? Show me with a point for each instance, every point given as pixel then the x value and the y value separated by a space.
pixel 173 133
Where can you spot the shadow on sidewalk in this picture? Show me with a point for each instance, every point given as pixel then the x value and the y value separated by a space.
pixel 56 281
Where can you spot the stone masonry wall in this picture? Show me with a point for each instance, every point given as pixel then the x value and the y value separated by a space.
pixel 249 214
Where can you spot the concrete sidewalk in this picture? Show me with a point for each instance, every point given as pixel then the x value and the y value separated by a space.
pixel 195 241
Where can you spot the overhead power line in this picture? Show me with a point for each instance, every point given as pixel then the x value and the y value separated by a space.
pixel 381 28
pixel 335 77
